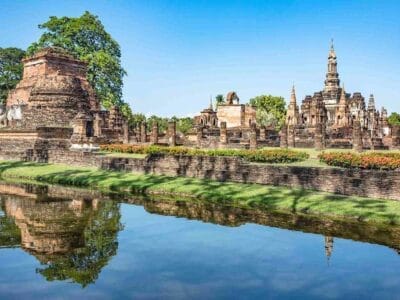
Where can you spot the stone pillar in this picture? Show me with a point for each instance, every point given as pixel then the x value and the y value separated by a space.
pixel 154 133
pixel 172 133
pixel 125 131
pixel 290 136
pixel 79 129
pixel 319 138
pixel 283 137
pixel 137 133
pixel 253 136
pixel 143 134
pixel 199 137
pixel 97 125
pixel 263 133
pixel 223 137
pixel 357 137
pixel 396 136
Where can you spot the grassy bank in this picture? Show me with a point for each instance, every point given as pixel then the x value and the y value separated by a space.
pixel 253 195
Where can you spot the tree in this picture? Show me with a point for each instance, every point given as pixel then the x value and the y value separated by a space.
pixel 184 124
pixel 270 110
pixel 10 70
pixel 136 119
pixel 394 119
pixel 219 99
pixel 86 39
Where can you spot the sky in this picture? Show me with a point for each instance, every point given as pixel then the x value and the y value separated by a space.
pixel 180 53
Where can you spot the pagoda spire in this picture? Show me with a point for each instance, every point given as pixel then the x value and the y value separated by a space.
pixel 332 82
pixel 293 96
pixel 342 99
pixel 371 102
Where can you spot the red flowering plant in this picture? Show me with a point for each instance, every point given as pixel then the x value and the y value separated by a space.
pixel 372 160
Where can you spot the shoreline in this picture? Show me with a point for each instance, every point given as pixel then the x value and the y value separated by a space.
pixel 273 198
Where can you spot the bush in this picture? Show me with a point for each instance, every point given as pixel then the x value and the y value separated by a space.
pixel 376 160
pixel 260 155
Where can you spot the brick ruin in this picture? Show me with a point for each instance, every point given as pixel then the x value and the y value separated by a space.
pixel 54 106
pixel 230 125
pixel 333 118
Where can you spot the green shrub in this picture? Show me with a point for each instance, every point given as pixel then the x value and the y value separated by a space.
pixel 259 155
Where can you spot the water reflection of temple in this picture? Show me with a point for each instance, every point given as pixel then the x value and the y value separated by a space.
pixel 73 233
pixel 328 246
pixel 72 238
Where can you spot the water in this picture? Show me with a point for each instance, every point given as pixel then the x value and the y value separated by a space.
pixel 65 243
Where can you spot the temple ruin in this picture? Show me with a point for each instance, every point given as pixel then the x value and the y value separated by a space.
pixel 332 118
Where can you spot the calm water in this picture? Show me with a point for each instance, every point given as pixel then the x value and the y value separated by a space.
pixel 58 242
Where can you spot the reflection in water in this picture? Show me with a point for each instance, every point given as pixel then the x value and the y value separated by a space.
pixel 73 233
pixel 72 238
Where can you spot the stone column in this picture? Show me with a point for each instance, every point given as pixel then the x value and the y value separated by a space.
pixel 283 137
pixel 154 133
pixel 263 133
pixel 319 138
pixel 143 134
pixel 137 133
pixel 223 137
pixel 172 133
pixel 357 137
pixel 253 136
pixel 125 130
pixel 395 136
pixel 199 137
pixel 290 136
pixel 97 125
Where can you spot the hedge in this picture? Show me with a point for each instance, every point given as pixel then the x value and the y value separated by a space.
pixel 373 160
pixel 259 155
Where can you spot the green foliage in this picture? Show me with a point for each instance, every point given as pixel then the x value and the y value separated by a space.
pixel 219 99
pixel 10 70
pixel 184 124
pixel 271 110
pixel 162 123
pixel 394 119
pixel 136 119
pixel 373 160
pixel 86 39
pixel 260 155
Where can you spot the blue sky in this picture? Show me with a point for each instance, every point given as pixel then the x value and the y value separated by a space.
pixel 178 53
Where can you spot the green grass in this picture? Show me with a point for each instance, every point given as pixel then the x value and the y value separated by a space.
pixel 249 195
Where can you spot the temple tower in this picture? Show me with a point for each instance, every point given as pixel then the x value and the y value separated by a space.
pixel 332 76
pixel 292 116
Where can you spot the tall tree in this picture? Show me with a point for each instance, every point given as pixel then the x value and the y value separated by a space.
pixel 86 39
pixel 10 70
pixel 271 110
pixel 394 119
pixel 219 99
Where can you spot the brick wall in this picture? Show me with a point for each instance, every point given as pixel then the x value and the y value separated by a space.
pixel 367 183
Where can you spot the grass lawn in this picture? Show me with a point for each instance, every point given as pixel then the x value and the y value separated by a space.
pixel 249 195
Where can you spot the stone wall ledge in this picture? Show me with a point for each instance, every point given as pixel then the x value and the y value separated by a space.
pixel 352 182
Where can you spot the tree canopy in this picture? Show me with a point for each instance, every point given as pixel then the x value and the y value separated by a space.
pixel 219 99
pixel 85 38
pixel 271 110
pixel 10 70
pixel 394 119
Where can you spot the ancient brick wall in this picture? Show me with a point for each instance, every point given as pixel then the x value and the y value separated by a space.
pixel 368 183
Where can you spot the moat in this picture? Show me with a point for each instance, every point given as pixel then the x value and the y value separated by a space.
pixel 90 245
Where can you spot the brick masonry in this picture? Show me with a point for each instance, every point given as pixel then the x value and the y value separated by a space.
pixel 367 183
